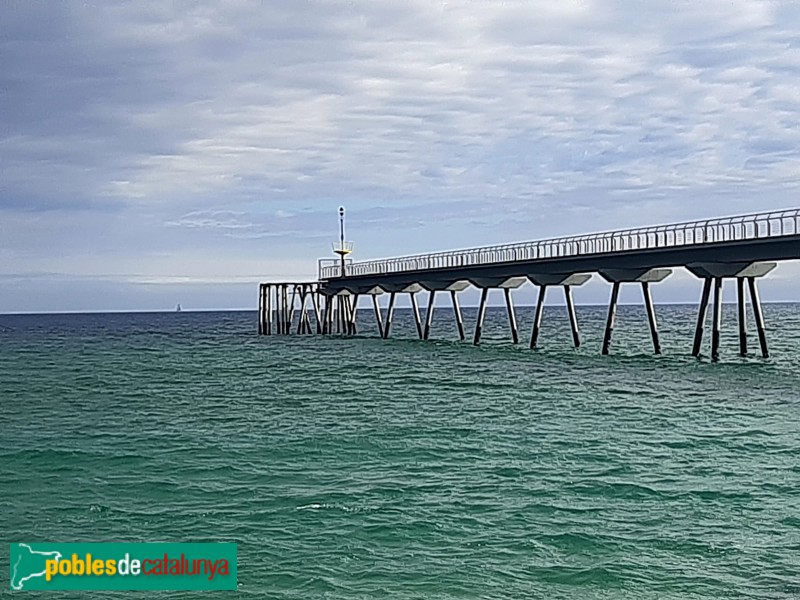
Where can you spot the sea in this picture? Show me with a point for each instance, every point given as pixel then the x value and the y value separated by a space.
pixel 350 468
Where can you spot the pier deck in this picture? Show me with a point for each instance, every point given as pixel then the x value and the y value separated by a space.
pixel 743 248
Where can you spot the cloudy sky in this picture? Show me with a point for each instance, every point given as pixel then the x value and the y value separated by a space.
pixel 153 153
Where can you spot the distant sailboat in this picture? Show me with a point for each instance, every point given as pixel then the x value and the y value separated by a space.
pixel 178 308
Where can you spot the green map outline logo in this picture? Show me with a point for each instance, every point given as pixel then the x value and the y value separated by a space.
pixel 14 575
pixel 122 566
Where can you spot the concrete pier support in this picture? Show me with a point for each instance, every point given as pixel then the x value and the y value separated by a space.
pixel 389 315
pixel 512 317
pixel 315 299
pixel 458 315
pixel 537 317
pixel 262 301
pixel 714 274
pixel 701 316
pixel 645 277
pixel 285 317
pixel 269 315
pixel 481 316
pixel 573 318
pixel 742 314
pixel 568 281
pixel 290 318
pixel 326 313
pixel 352 305
pixel 378 318
pixel 612 317
pixel 415 310
pixel 651 317
pixel 301 322
pixel 279 309
pixel 755 300
pixel 717 319
pixel 429 315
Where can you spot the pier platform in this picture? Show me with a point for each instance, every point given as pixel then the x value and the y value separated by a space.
pixel 741 248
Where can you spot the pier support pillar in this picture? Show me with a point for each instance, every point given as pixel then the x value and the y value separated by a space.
pixel 458 315
pixel 512 317
pixel 612 317
pixel 291 310
pixel 651 317
pixel 717 319
pixel 301 322
pixel 389 316
pixel 742 310
pixel 701 316
pixel 415 310
pixel 339 306
pixel 315 297
pixel 537 317
pixel 429 315
pixel 279 309
pixel 355 314
pixel 326 302
pixel 287 323
pixel 645 276
pixel 262 288
pixel 276 289
pixel 378 318
pixel 755 300
pixel 573 318
pixel 270 315
pixel 481 316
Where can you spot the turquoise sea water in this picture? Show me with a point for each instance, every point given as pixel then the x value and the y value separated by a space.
pixel 364 468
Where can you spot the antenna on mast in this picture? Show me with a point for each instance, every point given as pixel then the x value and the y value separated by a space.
pixel 342 248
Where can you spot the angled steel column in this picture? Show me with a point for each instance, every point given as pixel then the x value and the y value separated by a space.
pixel 415 309
pixel 287 313
pixel 429 315
pixel 459 317
pixel 742 316
pixel 537 317
pixel 651 317
pixel 285 309
pixel 291 308
pixel 261 302
pixel 612 317
pixel 315 296
pixel 328 315
pixel 389 316
pixel 755 300
pixel 306 322
pixel 278 321
pixel 715 332
pixel 512 317
pixel 337 313
pixel 573 318
pixel 352 325
pixel 481 316
pixel 701 316
pixel 378 317
pixel 268 309
pixel 301 322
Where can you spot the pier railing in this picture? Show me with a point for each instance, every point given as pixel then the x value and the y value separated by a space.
pixel 745 227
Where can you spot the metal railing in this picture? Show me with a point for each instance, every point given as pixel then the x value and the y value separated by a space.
pixel 711 231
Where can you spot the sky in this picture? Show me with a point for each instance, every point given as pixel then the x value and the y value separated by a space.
pixel 156 153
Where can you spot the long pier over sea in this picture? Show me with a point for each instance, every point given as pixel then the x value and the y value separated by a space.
pixel 742 248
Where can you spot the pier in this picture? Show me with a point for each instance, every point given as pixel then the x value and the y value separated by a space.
pixel 741 249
